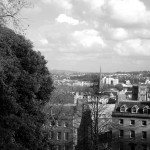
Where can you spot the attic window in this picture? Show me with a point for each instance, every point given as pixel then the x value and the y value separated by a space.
pixel 134 109
pixel 65 124
pixel 123 108
pixel 58 123
pixel 146 109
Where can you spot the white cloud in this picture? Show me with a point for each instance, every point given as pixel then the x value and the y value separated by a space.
pixel 141 33
pixel 128 11
pixel 133 47
pixel 95 4
pixel 62 3
pixel 117 33
pixel 90 31
pixel 88 37
pixel 47 1
pixel 44 41
pixel 63 18
pixel 120 33
pixel 66 4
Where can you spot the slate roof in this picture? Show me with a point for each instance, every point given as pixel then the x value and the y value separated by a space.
pixel 130 104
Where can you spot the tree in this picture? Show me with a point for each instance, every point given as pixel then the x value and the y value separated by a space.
pixel 9 12
pixel 25 86
pixel 101 124
pixel 119 87
pixel 85 130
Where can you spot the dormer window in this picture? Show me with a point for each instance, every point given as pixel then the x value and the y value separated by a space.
pixel 134 109
pixel 146 109
pixel 123 108
pixel 65 124
pixel 58 123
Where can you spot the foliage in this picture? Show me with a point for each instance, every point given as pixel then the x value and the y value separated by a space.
pixel 86 77
pixel 25 86
pixel 119 87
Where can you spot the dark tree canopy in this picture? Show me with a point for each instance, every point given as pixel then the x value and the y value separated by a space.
pixel 25 86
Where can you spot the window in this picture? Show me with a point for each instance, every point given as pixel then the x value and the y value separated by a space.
pixel 120 121
pixel 144 123
pixel 132 147
pixel 120 146
pixel 66 147
pixel 51 123
pixel 123 108
pixel 58 147
pixel 144 147
pixel 135 109
pixel 146 109
pixel 58 135
pixel 66 136
pixel 132 122
pixel 144 134
pixel 65 124
pixel 103 115
pixel 51 135
pixel 132 134
pixel 58 123
pixel 121 133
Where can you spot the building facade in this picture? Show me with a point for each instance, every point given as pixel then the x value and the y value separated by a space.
pixel 61 128
pixel 109 80
pixel 132 126
pixel 144 92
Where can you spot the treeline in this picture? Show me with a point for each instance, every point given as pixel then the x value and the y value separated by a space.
pixel 87 77
pixel 25 87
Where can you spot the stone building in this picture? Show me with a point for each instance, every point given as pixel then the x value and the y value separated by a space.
pixel 132 125
pixel 110 80
pixel 144 92
pixel 61 127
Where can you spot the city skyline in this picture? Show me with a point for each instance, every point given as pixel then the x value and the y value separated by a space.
pixel 80 35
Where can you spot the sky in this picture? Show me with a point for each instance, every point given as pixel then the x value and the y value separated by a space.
pixel 81 35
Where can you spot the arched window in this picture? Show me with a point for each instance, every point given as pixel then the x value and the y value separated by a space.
pixel 134 109
pixel 123 108
pixel 146 109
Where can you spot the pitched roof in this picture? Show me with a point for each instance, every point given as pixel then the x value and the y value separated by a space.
pixel 131 103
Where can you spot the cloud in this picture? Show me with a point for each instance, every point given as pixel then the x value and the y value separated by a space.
pixel 88 32
pixel 128 11
pixel 88 38
pixel 95 4
pixel 116 33
pixel 44 41
pixel 133 47
pixel 63 18
pixel 141 33
pixel 119 33
pixel 47 1
pixel 122 34
pixel 66 4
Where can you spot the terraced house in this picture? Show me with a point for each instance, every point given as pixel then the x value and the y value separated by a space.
pixel 132 131
pixel 61 128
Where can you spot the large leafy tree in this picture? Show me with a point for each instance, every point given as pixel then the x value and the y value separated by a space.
pixel 25 86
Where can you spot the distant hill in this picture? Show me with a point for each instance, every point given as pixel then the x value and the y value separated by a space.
pixel 54 71
pixel 64 72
